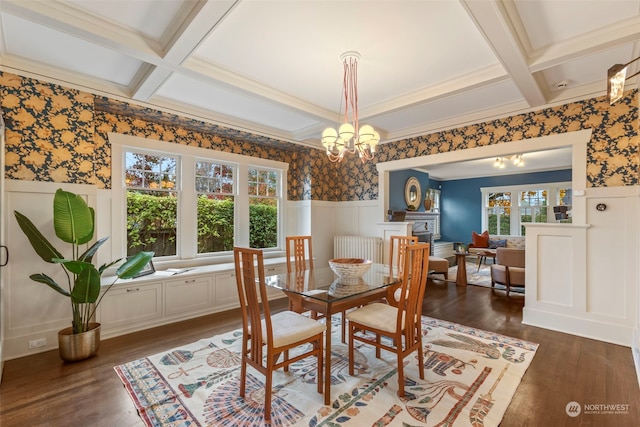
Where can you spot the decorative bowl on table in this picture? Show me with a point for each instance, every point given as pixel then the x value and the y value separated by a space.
pixel 340 288
pixel 350 270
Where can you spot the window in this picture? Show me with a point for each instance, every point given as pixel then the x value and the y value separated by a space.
pixel 533 207
pixel 508 209
pixel 186 202
pixel 215 206
pixel 263 208
pixel 152 203
pixel 498 213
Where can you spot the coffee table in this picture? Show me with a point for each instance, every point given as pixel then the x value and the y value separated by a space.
pixel 483 255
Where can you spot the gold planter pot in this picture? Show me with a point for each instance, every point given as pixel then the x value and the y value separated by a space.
pixel 75 347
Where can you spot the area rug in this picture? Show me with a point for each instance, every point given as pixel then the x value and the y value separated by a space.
pixel 481 277
pixel 470 378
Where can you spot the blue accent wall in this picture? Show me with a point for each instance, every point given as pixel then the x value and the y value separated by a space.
pixel 461 200
pixel 397 180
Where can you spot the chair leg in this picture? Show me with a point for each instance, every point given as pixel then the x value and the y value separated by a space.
pixel 267 393
pixel 400 373
pixel 243 377
pixel 378 346
pixel 320 358
pixel 420 359
pixel 351 331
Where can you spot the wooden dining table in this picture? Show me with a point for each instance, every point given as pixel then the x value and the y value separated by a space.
pixel 320 290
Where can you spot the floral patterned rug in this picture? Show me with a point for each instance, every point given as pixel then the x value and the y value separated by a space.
pixel 470 378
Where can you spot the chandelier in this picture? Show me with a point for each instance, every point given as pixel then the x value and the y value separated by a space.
pixel 516 160
pixel 350 137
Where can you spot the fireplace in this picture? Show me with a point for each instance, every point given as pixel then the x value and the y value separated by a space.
pixel 426 225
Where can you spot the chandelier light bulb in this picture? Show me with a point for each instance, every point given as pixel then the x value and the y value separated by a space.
pixel 329 137
pixel 365 134
pixel 346 131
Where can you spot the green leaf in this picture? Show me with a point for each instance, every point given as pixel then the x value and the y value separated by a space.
pixel 87 286
pixel 72 218
pixel 43 278
pixel 88 254
pixel 103 267
pixel 40 244
pixel 134 265
pixel 73 266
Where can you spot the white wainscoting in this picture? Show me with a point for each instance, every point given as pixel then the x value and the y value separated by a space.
pixel 582 279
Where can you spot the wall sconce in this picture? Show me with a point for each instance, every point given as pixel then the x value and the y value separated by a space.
pixel 616 76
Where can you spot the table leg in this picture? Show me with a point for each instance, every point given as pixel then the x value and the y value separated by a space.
pixel 327 358
pixel 461 276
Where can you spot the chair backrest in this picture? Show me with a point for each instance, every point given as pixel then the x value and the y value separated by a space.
pixel 397 245
pixel 416 265
pixel 300 248
pixel 510 257
pixel 247 262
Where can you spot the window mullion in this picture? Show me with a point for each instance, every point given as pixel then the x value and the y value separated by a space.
pixel 242 206
pixel 187 210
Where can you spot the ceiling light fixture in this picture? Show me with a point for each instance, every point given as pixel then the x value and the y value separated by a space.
pixel 616 76
pixel 350 137
pixel 517 160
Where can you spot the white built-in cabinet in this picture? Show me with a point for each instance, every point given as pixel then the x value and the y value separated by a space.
pixel 33 313
pixel 157 299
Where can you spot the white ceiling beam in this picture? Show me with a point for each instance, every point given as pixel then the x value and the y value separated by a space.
pixel 186 37
pixel 491 19
pixel 87 27
pixel 605 38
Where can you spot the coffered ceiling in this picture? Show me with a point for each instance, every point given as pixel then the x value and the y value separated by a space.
pixel 273 67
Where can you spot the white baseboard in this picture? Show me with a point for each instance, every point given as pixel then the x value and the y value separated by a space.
pixel 607 332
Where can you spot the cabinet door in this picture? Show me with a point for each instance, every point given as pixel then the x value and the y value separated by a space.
pixel 226 291
pixel 128 307
pixel 188 296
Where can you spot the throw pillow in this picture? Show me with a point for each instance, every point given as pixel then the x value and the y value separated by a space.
pixel 480 240
pixel 494 244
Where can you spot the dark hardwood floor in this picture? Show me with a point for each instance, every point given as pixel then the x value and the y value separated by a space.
pixel 41 390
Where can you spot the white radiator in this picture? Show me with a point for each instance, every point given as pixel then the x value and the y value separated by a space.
pixel 358 247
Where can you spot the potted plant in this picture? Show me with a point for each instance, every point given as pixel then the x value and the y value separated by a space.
pixel 74 223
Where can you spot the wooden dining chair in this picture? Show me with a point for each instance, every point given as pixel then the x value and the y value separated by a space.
pixel 403 324
pixel 262 344
pixel 397 245
pixel 397 248
pixel 300 248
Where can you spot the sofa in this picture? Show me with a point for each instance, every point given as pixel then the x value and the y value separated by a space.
pixel 492 242
pixel 509 268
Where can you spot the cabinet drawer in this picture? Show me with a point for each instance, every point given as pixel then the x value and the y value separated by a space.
pixel 186 295
pixel 128 306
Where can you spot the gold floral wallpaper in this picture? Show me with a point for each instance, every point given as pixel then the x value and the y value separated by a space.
pixel 59 134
